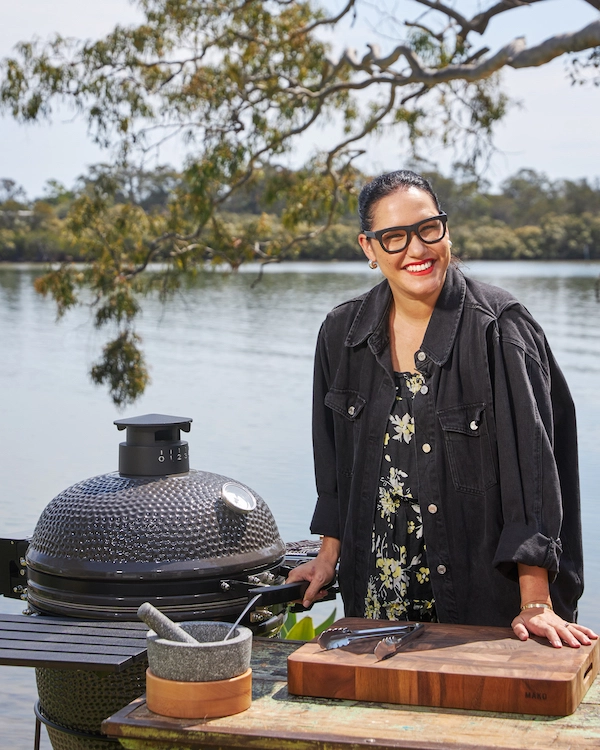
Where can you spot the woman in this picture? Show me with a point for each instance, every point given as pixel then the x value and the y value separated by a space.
pixel 444 439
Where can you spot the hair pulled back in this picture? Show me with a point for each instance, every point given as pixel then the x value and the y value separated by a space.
pixel 384 185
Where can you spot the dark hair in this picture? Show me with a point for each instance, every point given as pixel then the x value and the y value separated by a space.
pixel 386 184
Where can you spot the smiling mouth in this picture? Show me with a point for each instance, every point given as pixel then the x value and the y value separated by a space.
pixel 419 267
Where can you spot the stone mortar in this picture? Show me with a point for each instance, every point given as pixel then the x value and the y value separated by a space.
pixel 211 658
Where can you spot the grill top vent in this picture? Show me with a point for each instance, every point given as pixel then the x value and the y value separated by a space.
pixel 153 446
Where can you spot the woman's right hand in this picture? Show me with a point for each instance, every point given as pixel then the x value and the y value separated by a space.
pixel 320 571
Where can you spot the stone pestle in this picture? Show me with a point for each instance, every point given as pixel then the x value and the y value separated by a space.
pixel 163 626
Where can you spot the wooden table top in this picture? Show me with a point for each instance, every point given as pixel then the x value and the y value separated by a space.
pixel 277 720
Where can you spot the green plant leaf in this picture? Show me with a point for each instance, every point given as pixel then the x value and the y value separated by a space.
pixel 325 624
pixel 288 624
pixel 303 630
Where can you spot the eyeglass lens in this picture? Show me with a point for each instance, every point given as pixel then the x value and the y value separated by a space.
pixel 431 230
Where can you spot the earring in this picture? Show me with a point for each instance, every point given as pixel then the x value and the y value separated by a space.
pixel 450 244
pixel 372 264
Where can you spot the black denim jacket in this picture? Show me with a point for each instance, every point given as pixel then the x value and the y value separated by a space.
pixel 496 449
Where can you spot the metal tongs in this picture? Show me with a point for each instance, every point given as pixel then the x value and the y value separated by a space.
pixel 389 646
pixel 389 638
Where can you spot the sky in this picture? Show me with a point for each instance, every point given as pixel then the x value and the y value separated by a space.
pixel 554 129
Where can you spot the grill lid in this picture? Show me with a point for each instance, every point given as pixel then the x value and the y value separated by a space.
pixel 153 523
pixel 113 526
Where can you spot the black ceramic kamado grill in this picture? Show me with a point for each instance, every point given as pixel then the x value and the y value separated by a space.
pixel 192 543
pixel 196 545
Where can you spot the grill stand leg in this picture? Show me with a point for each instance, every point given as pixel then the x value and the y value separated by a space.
pixel 38 733
pixel 93 737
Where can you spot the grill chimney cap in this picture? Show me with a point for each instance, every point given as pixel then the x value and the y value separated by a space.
pixel 155 420
pixel 153 445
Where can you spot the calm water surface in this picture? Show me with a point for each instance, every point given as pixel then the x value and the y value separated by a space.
pixel 239 362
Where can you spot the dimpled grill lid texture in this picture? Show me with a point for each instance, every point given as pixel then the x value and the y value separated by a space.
pixel 162 528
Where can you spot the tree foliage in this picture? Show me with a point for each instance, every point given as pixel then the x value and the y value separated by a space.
pixel 240 82
pixel 530 216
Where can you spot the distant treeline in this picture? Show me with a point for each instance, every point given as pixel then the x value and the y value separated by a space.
pixel 531 217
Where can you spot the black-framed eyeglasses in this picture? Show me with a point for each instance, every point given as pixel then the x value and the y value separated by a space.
pixel 396 239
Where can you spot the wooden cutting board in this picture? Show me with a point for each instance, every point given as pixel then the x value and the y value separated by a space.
pixel 452 666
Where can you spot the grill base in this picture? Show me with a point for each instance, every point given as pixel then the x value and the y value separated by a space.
pixel 80 700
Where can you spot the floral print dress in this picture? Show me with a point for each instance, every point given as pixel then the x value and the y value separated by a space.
pixel 398 585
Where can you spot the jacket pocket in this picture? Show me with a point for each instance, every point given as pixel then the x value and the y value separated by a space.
pixel 348 406
pixel 468 447
pixel 347 403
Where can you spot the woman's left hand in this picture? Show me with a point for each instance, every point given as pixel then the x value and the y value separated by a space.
pixel 547 624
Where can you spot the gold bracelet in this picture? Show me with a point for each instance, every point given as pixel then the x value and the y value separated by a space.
pixel 537 605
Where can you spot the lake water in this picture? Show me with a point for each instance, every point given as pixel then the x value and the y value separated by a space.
pixel 238 360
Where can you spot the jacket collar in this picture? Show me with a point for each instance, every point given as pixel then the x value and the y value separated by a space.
pixel 371 319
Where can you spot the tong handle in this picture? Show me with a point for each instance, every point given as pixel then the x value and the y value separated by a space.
pixel 373 632
pixel 338 637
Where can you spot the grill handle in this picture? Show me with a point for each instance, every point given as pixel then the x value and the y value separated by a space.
pixel 286 592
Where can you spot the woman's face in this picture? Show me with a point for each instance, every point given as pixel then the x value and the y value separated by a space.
pixel 419 271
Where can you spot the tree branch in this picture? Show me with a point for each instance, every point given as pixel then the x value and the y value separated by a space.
pixel 557 45
pixel 429 76
pixel 515 54
pixel 264 262
pixel 446 10
pixel 479 23
pixel 430 32
pixel 325 21
pixel 369 126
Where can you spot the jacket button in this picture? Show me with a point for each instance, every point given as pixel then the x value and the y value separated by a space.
pixel 432 508
pixel 351 411
pixel 474 425
pixel 426 448
pixel 421 356
pixel 441 569
pixel 424 389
